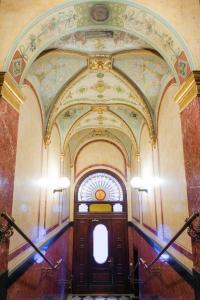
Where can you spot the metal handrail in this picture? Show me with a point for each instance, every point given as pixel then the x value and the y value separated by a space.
pixel 187 223
pixel 12 223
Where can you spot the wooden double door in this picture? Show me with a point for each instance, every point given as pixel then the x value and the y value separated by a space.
pixel 100 263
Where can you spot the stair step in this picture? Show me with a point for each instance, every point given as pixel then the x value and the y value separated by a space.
pixel 102 297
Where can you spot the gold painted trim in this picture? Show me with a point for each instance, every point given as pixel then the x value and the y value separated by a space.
pixel 136 91
pixel 10 91
pixel 188 91
pixel 148 52
pixel 55 52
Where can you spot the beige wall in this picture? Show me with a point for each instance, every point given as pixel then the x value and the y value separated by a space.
pixel 26 198
pixel 148 203
pixel 35 208
pixel 165 203
pixel 65 198
pixel 53 205
pixel 171 161
pixel 135 200
pixel 100 153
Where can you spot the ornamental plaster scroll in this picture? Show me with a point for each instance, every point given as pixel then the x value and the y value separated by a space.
pixel 130 17
pixel 69 96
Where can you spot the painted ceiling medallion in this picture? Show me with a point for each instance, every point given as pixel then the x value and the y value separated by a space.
pixel 99 13
pixel 100 194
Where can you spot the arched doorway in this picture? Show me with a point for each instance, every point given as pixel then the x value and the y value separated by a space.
pixel 100 262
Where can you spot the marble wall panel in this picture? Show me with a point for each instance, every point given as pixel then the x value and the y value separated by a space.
pixel 166 284
pixel 8 145
pixel 190 121
pixel 38 284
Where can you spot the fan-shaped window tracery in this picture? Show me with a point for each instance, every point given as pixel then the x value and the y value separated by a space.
pixel 100 187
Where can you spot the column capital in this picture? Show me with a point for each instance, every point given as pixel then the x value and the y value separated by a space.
pixel 188 91
pixel 10 91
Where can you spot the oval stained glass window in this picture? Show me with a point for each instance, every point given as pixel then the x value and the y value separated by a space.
pixel 100 243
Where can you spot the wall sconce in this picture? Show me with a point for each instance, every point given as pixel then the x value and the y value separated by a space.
pixel 63 184
pixel 137 183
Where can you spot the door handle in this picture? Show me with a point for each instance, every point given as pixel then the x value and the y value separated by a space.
pixel 110 260
pixel 95 220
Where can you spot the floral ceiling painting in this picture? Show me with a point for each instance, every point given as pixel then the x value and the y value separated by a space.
pixel 148 71
pixel 61 56
pixel 50 73
pixel 96 41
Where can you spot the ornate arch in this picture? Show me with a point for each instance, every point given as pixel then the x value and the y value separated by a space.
pixel 130 17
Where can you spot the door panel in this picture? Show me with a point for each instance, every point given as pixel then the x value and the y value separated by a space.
pixel 109 276
pixel 81 253
pixel 100 274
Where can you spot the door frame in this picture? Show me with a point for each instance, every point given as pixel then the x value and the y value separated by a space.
pixel 109 216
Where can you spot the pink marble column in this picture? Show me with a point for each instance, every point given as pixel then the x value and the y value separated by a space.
pixel 8 144
pixel 190 119
pixel 188 99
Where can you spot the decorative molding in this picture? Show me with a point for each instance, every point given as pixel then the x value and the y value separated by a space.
pixel 188 91
pixel 10 91
pixel 97 166
pixel 100 62
pixel 126 16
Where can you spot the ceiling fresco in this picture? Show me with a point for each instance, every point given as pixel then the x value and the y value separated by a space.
pixel 99 67
pixel 101 118
pixel 102 87
pixel 71 17
pixel 97 41
pixel 147 70
pixel 69 117
pixel 50 73
pixel 133 119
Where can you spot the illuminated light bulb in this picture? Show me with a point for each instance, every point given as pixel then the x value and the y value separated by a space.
pixel 64 182
pixel 136 182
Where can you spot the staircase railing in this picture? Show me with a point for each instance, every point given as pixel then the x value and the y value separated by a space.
pixel 191 231
pixel 11 223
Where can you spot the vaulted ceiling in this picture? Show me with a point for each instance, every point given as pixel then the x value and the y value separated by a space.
pixel 102 82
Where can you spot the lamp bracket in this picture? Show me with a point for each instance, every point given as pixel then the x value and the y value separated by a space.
pixel 58 190
pixel 142 190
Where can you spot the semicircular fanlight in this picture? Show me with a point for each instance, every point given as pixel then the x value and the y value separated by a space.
pixel 100 187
